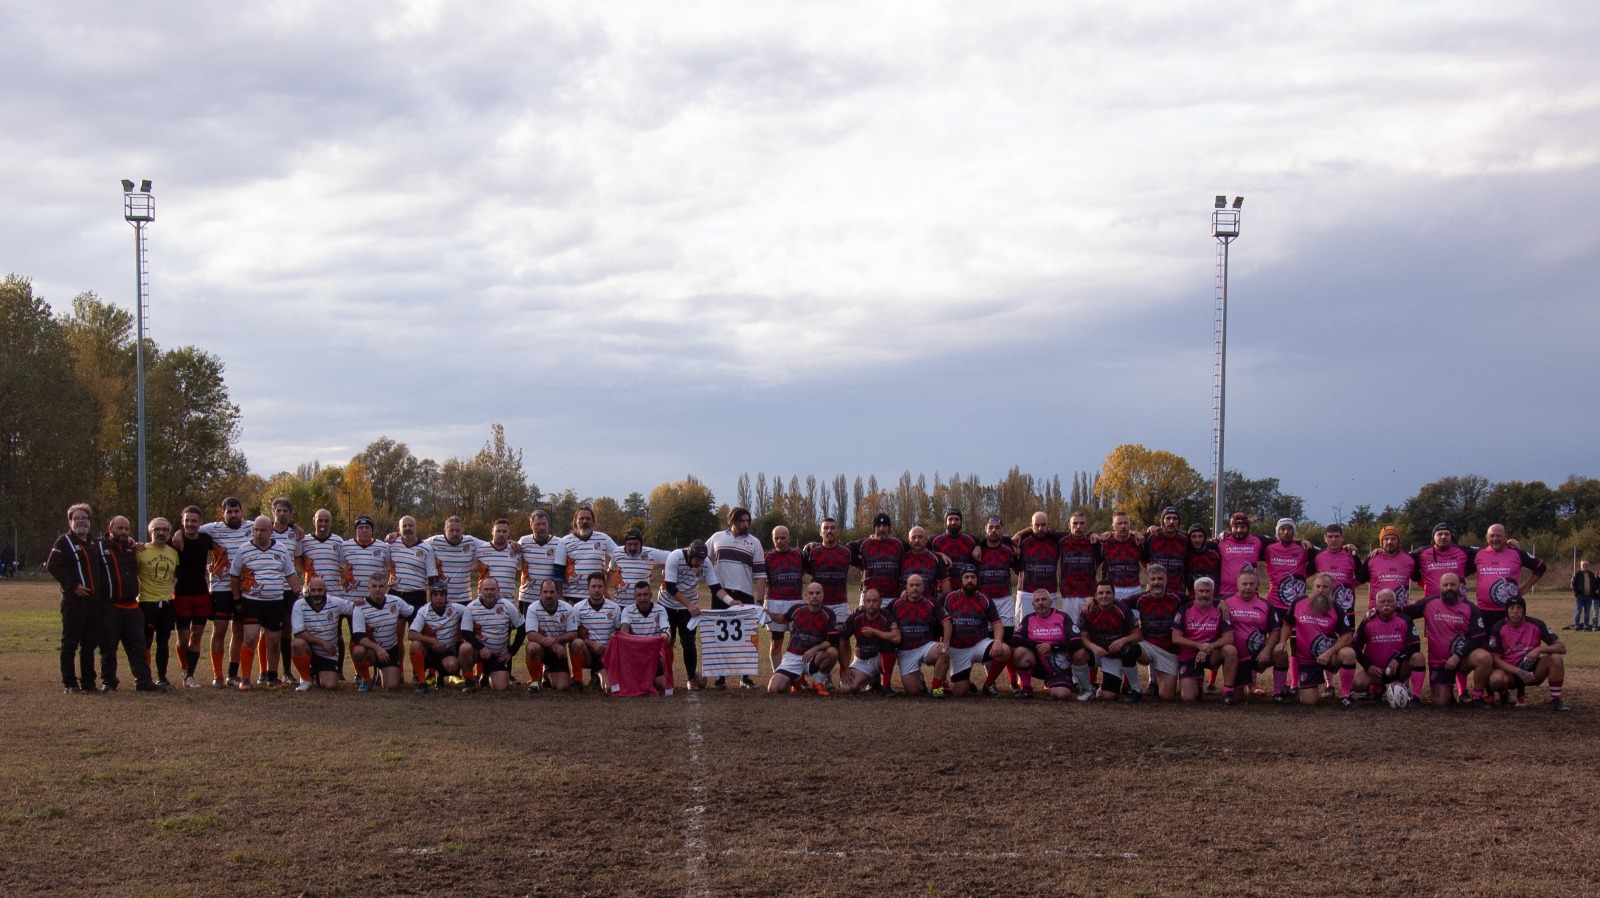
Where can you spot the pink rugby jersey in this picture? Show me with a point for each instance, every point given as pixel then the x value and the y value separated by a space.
pixel 1051 629
pixel 1237 554
pixel 1499 573
pixel 1433 564
pixel 1198 625
pixel 1315 632
pixel 1379 641
pixel 1347 572
pixel 1390 572
pixel 1286 569
pixel 1513 644
pixel 1252 619
pixel 1451 629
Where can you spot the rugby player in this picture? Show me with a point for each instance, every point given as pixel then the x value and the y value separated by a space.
pixel 635 562
pixel 873 630
pixel 550 629
pixel 314 624
pixel 456 553
pixel 415 569
pixel 1503 571
pixel 933 568
pixel 1288 562
pixel 1321 636
pixel 810 653
pixel 739 561
pixel 919 646
pixel 1255 627
pixel 785 577
pixel 1201 559
pixel 1443 557
pixel 1110 633
pixel 680 596
pixel 191 595
pixel 596 618
pixel 973 635
pixel 993 560
pixel 642 616
pixel 436 636
pixel 544 558
pixel 878 556
pixel 376 628
pixel 1156 611
pixel 1455 634
pixel 1388 649
pixel 1047 641
pixel 1526 653
pixel 1238 549
pixel 588 551
pixel 1344 564
pixel 1168 547
pixel 492 630
pixel 1120 558
pixel 158 573
pixel 125 623
pixel 1204 640
pixel 322 550
pixel 828 563
pixel 954 544
pixel 1390 569
pixel 1080 566
pixel 501 559
pixel 260 575
pixel 228 536
pixel 364 556
pixel 286 537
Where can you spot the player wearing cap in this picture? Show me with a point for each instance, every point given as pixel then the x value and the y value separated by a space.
pixel 315 623
pixel 785 580
pixel 1110 633
pixel 1238 549
pixel 1455 635
pixel 1048 642
pixel 635 562
pixel 436 636
pixel 228 536
pixel 1443 557
pixel 1288 562
pixel 1168 546
pixel 1203 637
pixel 955 544
pixel 364 557
pixel 686 569
pixel 1391 569
pixel 1388 649
pixel 973 634
pixel 1157 611
pixel 878 556
pixel 261 574
pixel 1526 653
pixel 493 632
pixel 544 557
pixel 596 618
pixel 550 629
pixel 920 627
pixel 873 629
pixel 1320 635
pixel 1503 571
pixel 1201 559
pixel 828 563
pixel 588 551
pixel 1255 627
pixel 1343 564
pixel 376 627
pixel 810 653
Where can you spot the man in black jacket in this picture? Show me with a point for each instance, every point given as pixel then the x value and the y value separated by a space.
pixel 1584 588
pixel 76 564
pixel 120 558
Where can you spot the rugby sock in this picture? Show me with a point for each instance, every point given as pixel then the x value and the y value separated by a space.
pixel 285 653
pixel 886 667
pixel 1555 689
pixel 1227 691
pixel 1416 682
pixel 418 658
pixel 302 665
pixel 1110 682
pixel 1279 679
pixel 363 670
pixel 1477 694
pixel 191 661
pixel 247 660
pixel 1080 672
pixel 233 666
pixel 1461 684
pixel 994 668
pixel 1347 679
pixel 1026 676
pixel 576 663
pixel 536 667
pixel 1212 678
pixel 216 665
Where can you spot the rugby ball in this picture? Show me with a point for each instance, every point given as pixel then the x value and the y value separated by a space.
pixel 1397 695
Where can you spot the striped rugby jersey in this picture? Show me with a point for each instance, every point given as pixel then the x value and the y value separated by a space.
pixel 728 641
pixel 546 622
pixel 501 564
pixel 263 573
pixel 226 543
pixel 584 557
pixel 413 565
pixel 738 560
pixel 360 563
pixel 446 624
pixel 380 623
pixel 596 623
pixel 630 569
pixel 456 563
pixel 686 578
pixel 322 623
pixel 286 542
pixel 323 558
pixel 493 624
pixel 645 623
pixel 540 562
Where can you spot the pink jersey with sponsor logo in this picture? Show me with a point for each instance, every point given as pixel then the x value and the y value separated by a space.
pixel 1315 632
pixel 1197 625
pixel 1433 564
pixel 1046 629
pixel 1378 641
pixel 1513 644
pixel 1287 565
pixel 1346 571
pixel 1450 629
pixel 1251 619
pixel 1499 573
pixel 1390 572
pixel 1236 555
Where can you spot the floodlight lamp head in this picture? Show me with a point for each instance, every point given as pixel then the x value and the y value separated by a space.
pixel 1222 201
pixel 1237 201
pixel 144 187
pixel 127 186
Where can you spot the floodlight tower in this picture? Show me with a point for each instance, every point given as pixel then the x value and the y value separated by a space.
pixel 1224 227
pixel 139 208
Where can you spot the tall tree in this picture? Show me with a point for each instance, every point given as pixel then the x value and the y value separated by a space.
pixel 1261 499
pixel 680 512
pixel 1143 481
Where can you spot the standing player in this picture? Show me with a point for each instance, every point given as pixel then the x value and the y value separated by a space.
pixel 1340 562
pixel 828 563
pixel 415 568
pixel 1455 635
pixel 375 627
pixel 1391 569
pixel 75 564
pixel 501 559
pixel 364 557
pixel 1047 641
pixel 873 630
pixel 322 551
pixel 1255 629
pixel 228 536
pixel 1111 634
pixel 810 652
pixel 933 567
pixel 955 544
pixel 878 557
pixel 1388 649
pixel 1238 550
pixel 785 577
pixel 492 629
pixel 741 567
pixel 1157 611
pixel 1039 561
pixel 191 596
pixel 1441 558
pixel 314 623
pixel 1288 562
pixel 680 596
pixel 1526 653
pixel 544 557
pixel 635 562
pixel 1119 558
pixel 1204 639
pixel 919 645
pixel 158 572
pixel 1169 547
pixel 260 576
pixel 436 636
pixel 286 537
pixel 1320 635
pixel 550 630
pixel 973 635
pixel 1201 559
pixel 1503 572
pixel 1080 566
pixel 588 551
pixel 596 618
pixel 456 553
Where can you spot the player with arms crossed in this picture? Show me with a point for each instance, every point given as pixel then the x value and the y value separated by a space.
pixel 1526 653
pixel 809 625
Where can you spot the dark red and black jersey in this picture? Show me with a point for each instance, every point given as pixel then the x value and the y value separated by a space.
pixel 1120 561
pixel 1171 551
pixel 971 618
pixel 785 575
pixel 994 566
pixel 1105 624
pixel 1040 557
pixel 1080 565
pixel 1156 617
pixel 830 566
pixel 919 623
pixel 868 646
pixel 930 566
pixel 879 561
pixel 1202 562
pixel 807 628
pixel 959 547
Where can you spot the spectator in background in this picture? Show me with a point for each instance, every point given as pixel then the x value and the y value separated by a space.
pixel 75 564
pixel 1584 616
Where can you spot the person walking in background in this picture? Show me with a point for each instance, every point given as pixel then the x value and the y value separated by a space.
pixel 1584 615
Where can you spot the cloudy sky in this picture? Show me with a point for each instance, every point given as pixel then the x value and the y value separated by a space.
pixel 659 238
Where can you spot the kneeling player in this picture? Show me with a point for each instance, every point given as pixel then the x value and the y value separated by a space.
pixel 315 625
pixel 597 617
pixel 1204 639
pixel 874 631
pixel 809 625
pixel 1455 633
pixel 1255 628
pixel 493 633
pixel 1321 637
pixel 550 629
pixel 1157 610
pixel 919 646
pixel 1112 636
pixel 645 617
pixel 1048 642
pixel 1526 653
pixel 1388 649
pixel 375 632
pixel 436 635
pixel 974 632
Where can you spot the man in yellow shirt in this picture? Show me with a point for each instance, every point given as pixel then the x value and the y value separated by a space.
pixel 158 571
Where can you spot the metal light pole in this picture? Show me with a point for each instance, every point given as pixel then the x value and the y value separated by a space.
pixel 1224 227
pixel 139 208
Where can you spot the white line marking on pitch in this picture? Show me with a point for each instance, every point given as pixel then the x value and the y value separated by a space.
pixel 694 842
